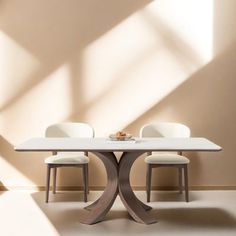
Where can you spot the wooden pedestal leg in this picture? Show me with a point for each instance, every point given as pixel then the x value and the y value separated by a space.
pixel 99 209
pixel 91 206
pixel 146 207
pixel 143 205
pixel 134 206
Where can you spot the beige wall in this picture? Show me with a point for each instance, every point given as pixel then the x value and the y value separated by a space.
pixel 117 65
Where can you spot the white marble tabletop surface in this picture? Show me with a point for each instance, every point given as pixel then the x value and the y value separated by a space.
pixel 104 144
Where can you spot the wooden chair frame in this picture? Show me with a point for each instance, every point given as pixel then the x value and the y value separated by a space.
pixel 55 166
pixel 181 168
pixel 166 129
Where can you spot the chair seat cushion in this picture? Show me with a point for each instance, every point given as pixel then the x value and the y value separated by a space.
pixel 67 158
pixel 167 158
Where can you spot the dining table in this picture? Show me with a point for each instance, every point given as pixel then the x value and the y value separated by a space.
pixel 118 170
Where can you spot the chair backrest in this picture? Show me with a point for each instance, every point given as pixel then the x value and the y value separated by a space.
pixel 70 129
pixel 165 129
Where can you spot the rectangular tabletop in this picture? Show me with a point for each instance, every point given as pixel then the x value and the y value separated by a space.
pixel 104 145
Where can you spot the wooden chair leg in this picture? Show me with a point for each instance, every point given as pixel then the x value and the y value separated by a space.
pixel 180 180
pixel 48 182
pixel 54 179
pixel 148 181
pixel 85 182
pixel 87 178
pixel 186 182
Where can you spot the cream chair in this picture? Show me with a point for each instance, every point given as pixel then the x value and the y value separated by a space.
pixel 154 160
pixel 68 159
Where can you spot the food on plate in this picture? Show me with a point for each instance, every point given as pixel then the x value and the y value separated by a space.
pixel 120 135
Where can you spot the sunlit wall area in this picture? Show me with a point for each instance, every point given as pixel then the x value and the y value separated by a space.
pixel 31 111
pixel 143 59
pixel 191 21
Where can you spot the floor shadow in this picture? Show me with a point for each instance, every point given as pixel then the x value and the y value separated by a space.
pixel 197 217
pixel 65 213
pixel 65 216
pixel 170 196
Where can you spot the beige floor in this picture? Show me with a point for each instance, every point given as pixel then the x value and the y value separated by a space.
pixel 208 213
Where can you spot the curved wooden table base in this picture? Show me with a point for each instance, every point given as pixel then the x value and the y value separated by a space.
pixel 118 183
pixel 135 207
pixel 146 207
pixel 91 206
pixel 105 202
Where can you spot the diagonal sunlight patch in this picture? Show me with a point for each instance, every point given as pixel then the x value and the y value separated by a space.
pixel 139 62
pixel 11 176
pixel 43 104
pixel 190 20
pixel 20 170
pixel 14 56
pixel 28 218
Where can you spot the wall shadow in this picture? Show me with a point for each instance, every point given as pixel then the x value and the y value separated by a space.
pixel 55 31
pixel 2 187
pixel 204 102
pixel 224 25
pixel 21 161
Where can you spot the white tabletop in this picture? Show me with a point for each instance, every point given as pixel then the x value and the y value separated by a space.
pixel 103 144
